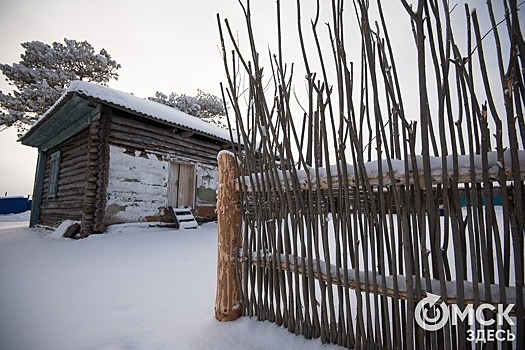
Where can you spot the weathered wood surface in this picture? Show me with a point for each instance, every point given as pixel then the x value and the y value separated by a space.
pixel 148 148
pixel 71 183
pixel 228 304
pixel 93 209
pixel 159 131
pixel 88 205
pixel 357 282
pixel 388 179
pixel 99 212
pixel 142 135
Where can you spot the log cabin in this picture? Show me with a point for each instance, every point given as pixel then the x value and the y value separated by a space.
pixel 107 157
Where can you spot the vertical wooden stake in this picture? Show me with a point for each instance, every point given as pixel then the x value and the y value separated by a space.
pixel 228 300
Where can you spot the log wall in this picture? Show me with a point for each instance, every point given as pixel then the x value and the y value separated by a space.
pixel 94 201
pixel 140 154
pixel 68 202
pixel 142 136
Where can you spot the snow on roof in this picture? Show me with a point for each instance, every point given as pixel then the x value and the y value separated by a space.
pixel 139 105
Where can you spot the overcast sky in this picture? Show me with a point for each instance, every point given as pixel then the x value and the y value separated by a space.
pixel 162 46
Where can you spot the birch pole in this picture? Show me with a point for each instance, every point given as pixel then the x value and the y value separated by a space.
pixel 228 300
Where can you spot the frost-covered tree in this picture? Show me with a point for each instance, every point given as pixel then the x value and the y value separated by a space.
pixel 44 72
pixel 204 105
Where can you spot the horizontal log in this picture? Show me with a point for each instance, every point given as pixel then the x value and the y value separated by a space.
pixel 71 186
pixel 63 191
pixel 72 178
pixel 80 169
pixel 53 222
pixel 76 195
pixel 104 132
pixel 99 227
pixel 74 152
pixel 91 177
pixel 91 168
pixel 69 164
pixel 90 192
pixel 78 138
pixel 99 214
pixel 169 151
pixel 90 186
pixel 88 207
pixel 60 215
pixel 159 133
pixel 87 217
pixel 296 264
pixel 375 181
pixel 140 141
pixel 69 205
pixel 68 155
pixel 73 163
pixel 70 145
pixel 93 150
pixel 92 157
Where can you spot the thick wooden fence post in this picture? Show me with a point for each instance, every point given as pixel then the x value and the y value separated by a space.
pixel 228 299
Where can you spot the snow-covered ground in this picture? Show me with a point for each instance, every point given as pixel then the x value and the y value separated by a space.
pixel 14 220
pixel 135 287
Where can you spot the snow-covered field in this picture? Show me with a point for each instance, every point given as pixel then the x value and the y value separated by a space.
pixel 135 287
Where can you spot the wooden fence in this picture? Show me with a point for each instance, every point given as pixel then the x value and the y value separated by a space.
pixel 317 236
pixel 322 264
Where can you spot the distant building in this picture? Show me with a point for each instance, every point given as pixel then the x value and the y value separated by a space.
pixel 108 157
pixel 14 204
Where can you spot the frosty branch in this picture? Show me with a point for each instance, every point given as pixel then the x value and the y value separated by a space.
pixel 203 105
pixel 43 73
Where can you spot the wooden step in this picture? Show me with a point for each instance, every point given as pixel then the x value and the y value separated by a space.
pixel 184 217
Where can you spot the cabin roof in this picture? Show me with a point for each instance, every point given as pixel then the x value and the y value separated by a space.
pixel 77 106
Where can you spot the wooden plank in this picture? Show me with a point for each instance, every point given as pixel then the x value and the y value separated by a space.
pixel 186 185
pixel 46 132
pixel 173 185
pixel 184 218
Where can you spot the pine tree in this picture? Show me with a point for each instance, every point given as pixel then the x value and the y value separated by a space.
pixel 204 105
pixel 43 74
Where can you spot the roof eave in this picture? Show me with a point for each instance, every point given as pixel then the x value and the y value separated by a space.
pixel 45 117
